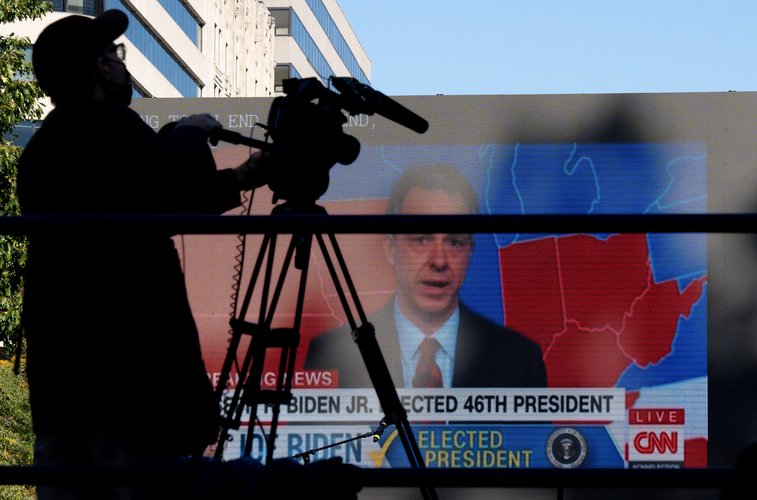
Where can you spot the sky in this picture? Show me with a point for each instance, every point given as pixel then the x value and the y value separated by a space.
pixel 474 47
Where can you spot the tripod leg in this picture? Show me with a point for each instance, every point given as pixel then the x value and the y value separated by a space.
pixel 286 339
pixel 363 335
pixel 235 339
pixel 302 244
pixel 230 407
pixel 248 391
pixel 365 338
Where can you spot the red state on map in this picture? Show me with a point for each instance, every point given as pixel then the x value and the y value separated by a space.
pixel 650 329
pixel 592 305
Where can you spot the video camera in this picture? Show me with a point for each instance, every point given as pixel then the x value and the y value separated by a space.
pixel 305 126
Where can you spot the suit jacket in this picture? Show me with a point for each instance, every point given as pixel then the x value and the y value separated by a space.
pixel 486 354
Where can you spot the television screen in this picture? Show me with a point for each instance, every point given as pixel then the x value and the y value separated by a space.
pixel 560 350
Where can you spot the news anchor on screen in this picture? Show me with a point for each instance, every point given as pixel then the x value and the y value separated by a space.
pixel 428 336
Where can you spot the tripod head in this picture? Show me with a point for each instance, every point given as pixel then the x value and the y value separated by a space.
pixel 305 126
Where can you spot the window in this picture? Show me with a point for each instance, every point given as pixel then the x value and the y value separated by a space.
pixel 340 44
pixel 283 72
pixel 282 19
pixel 22 132
pixel 216 44
pixel 186 20
pixel 280 73
pixel 86 7
pixel 237 82
pixel 157 52
pixel 28 60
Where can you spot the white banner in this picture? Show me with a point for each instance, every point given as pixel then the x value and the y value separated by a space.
pixel 455 405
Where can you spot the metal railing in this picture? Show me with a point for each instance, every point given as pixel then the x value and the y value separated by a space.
pixel 367 224
pixel 559 479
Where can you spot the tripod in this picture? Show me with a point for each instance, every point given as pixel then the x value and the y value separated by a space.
pixel 248 392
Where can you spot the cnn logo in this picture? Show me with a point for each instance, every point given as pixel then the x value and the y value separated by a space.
pixel 654 445
pixel 656 442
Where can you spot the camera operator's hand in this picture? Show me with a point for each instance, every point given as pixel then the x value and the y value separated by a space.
pixel 204 121
pixel 252 173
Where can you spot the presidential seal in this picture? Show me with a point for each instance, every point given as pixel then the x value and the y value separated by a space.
pixel 566 448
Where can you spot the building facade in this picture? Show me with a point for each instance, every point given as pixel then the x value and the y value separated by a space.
pixel 224 48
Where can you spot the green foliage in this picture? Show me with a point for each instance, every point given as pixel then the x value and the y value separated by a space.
pixel 19 100
pixel 16 434
pixel 19 10
pixel 19 94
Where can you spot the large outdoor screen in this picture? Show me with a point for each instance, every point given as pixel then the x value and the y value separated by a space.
pixel 621 322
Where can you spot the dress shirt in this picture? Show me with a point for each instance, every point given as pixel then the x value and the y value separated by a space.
pixel 410 338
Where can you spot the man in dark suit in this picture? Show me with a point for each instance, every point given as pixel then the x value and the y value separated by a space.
pixel 464 348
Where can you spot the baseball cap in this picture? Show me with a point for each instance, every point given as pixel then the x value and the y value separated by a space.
pixel 66 50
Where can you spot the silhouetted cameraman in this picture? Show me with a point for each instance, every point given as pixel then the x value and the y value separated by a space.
pixel 115 370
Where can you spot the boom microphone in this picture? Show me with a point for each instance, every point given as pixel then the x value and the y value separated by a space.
pixel 364 99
